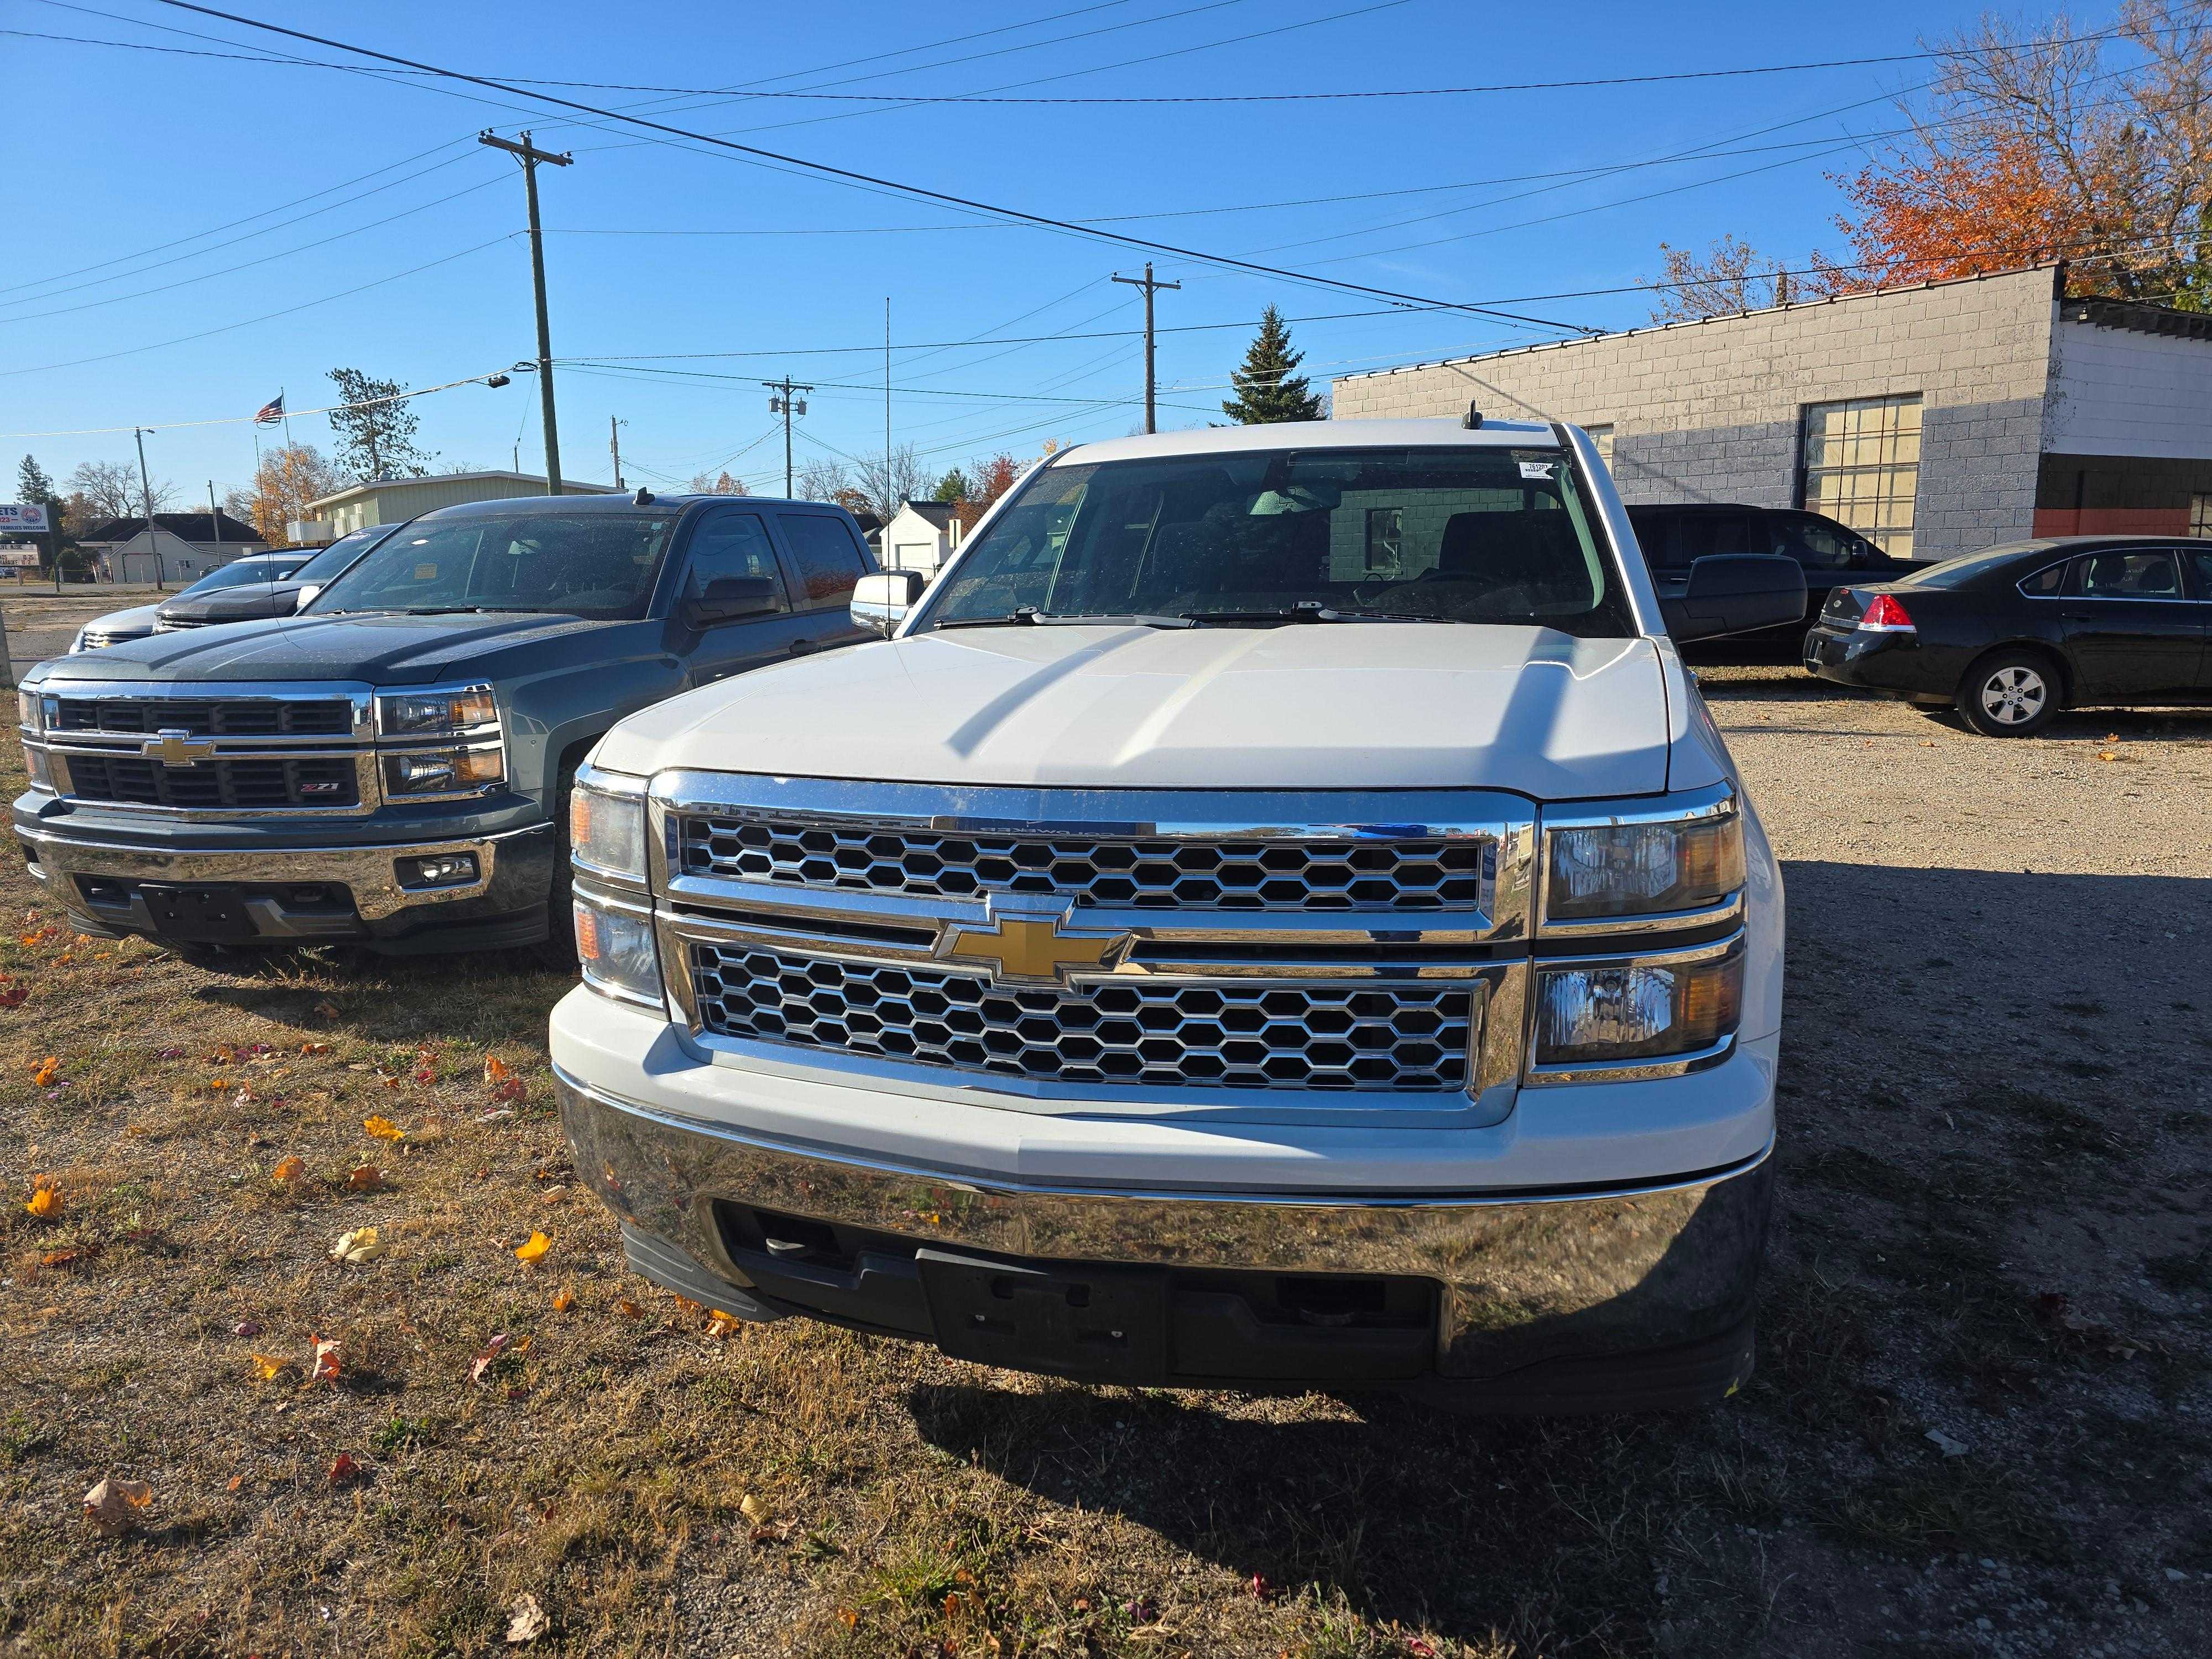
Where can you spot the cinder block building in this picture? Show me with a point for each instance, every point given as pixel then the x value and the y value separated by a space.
pixel 1935 420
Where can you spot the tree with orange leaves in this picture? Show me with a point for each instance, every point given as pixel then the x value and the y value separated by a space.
pixel 2036 148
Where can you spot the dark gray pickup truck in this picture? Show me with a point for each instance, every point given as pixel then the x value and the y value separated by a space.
pixel 391 767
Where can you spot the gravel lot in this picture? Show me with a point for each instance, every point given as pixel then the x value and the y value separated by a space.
pixel 1982 1423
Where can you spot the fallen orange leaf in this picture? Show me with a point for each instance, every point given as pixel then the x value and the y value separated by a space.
pixel 384 1128
pixel 496 1071
pixel 113 1506
pixel 325 1368
pixel 366 1179
pixel 45 1202
pixel 563 1299
pixel 533 1251
pixel 288 1169
pixel 314 1048
pixel 49 1069
pixel 269 1365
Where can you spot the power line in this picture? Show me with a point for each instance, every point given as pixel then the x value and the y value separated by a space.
pixel 749 91
pixel 268 316
pixel 851 175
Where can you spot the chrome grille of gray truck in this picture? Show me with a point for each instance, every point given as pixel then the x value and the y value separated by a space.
pixel 1395 1037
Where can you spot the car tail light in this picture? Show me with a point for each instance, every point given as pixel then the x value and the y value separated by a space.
pixel 1885 614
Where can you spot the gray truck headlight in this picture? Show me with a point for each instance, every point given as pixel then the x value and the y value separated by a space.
pixel 615 944
pixel 454 713
pixel 606 824
pixel 462 771
pixel 1610 1013
pixel 1604 872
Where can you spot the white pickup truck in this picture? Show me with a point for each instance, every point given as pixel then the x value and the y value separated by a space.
pixel 1273 914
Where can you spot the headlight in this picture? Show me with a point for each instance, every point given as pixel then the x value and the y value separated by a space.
pixel 606 824
pixel 1612 1014
pixel 435 714
pixel 444 771
pixel 28 711
pixel 1599 872
pixel 615 945
pixel 40 768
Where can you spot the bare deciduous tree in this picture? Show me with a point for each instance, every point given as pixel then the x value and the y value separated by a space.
pixel 113 489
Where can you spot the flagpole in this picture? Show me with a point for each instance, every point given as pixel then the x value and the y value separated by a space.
pixel 287 419
pixel 260 503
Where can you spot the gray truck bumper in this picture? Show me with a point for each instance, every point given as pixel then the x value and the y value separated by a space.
pixel 504 904
pixel 1624 1299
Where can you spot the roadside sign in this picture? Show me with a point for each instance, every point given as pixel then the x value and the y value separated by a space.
pixel 19 558
pixel 24 516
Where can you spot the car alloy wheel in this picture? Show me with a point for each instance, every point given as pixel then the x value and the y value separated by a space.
pixel 2014 695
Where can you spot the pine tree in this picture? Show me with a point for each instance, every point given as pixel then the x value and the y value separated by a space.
pixel 32 484
pixel 1266 389
pixel 952 487
pixel 375 429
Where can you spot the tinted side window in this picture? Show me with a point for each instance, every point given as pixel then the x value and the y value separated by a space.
pixel 1655 535
pixel 2044 584
pixel 1814 542
pixel 732 544
pixel 2202 558
pixel 2130 576
pixel 827 556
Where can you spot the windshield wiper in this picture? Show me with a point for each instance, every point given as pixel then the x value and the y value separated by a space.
pixel 1029 615
pixel 1307 613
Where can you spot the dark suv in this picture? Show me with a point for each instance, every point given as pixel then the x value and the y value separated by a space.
pixel 391 765
pixel 1833 555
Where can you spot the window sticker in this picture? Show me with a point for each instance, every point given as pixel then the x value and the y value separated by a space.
pixel 1536 470
pixel 426 573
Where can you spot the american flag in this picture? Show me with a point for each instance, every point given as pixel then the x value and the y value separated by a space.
pixel 271 412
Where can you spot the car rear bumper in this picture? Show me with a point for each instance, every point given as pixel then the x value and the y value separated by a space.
pixel 1893 664
pixel 302 895
pixel 1634 1296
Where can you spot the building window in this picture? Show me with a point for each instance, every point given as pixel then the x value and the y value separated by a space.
pixel 1385 536
pixel 1601 438
pixel 1862 466
pixel 2200 516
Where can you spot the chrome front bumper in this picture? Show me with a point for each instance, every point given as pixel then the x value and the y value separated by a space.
pixel 513 871
pixel 1524 1279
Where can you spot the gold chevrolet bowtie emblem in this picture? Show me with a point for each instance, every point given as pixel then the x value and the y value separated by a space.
pixel 177 747
pixel 1036 947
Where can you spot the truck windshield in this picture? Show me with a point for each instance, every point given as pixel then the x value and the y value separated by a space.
pixel 1458 534
pixel 238 574
pixel 598 565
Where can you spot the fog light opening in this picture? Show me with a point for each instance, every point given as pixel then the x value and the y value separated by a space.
pixel 439 870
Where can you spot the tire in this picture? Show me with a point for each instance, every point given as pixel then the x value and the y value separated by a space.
pixel 2010 694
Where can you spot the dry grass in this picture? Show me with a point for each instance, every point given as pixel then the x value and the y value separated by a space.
pixel 799 1488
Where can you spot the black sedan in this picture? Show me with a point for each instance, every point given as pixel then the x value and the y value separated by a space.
pixel 2010 636
pixel 266 584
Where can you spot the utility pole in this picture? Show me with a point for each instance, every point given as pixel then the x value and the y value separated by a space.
pixel 614 447
pixel 1150 287
pixel 887 385
pixel 784 406
pixel 146 495
pixel 214 515
pixel 531 156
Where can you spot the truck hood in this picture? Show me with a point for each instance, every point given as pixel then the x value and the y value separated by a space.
pixel 379 649
pixel 1336 706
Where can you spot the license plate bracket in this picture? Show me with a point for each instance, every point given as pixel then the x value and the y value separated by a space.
pixel 200 915
pixel 1094 1324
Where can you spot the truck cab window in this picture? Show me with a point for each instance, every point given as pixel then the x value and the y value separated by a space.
pixel 829 561
pixel 732 544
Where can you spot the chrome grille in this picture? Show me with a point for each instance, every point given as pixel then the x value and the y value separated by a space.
pixel 229 717
pixel 1159 874
pixel 1399 1038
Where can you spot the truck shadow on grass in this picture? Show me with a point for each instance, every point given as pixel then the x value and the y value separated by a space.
pixel 1983 1334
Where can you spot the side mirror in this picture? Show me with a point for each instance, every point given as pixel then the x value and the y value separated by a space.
pixel 882 599
pixel 306 596
pixel 731 599
pixel 1736 593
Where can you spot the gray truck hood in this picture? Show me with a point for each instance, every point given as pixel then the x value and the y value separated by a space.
pixel 1320 706
pixel 381 650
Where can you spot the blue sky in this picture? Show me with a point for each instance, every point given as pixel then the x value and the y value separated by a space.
pixel 133 159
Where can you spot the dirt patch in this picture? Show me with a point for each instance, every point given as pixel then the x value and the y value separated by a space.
pixel 1981 1423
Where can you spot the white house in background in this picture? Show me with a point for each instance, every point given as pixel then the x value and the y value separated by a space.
pixel 395 501
pixel 182 547
pixel 921 536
